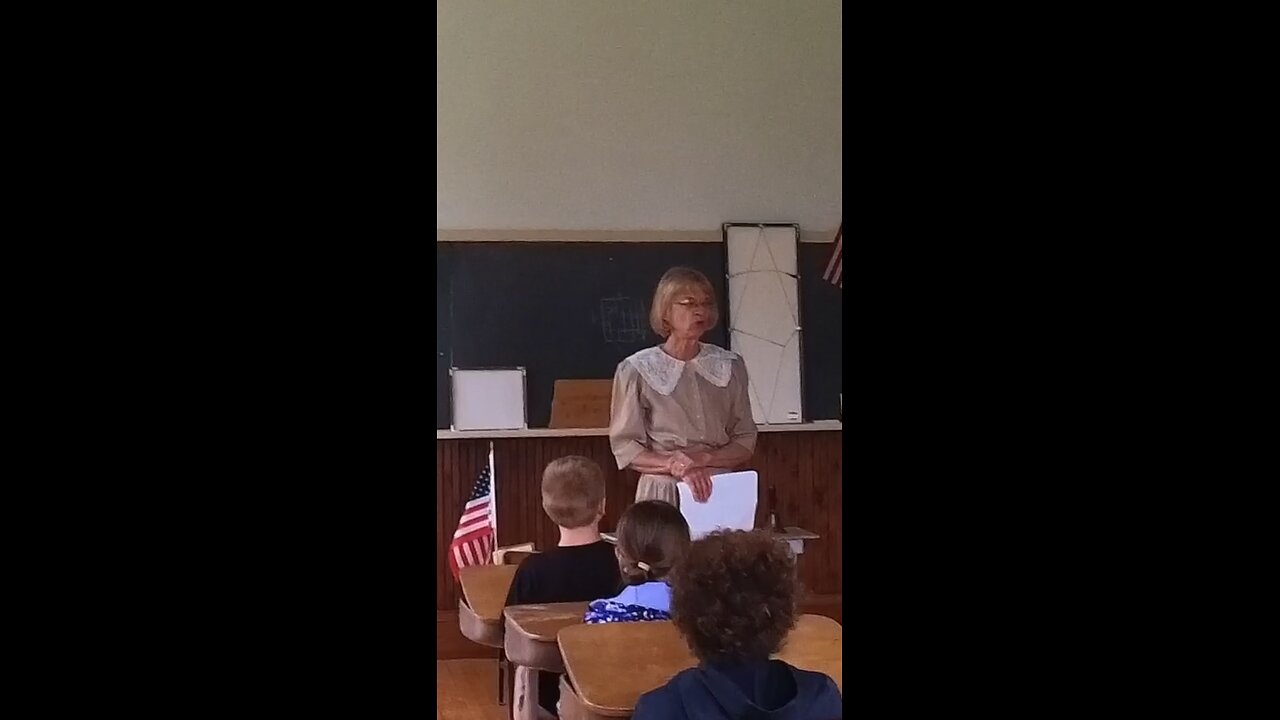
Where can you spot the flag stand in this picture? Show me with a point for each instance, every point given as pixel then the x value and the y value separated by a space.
pixel 505 676
pixel 493 501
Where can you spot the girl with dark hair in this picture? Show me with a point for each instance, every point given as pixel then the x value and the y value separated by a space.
pixel 652 538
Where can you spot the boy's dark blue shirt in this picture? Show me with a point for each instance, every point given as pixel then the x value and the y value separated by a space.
pixel 759 690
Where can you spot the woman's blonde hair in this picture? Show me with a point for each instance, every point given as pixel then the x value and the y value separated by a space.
pixel 675 281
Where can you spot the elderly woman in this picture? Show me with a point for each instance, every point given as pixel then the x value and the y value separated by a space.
pixel 680 410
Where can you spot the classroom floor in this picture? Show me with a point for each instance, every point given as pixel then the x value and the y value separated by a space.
pixel 468 690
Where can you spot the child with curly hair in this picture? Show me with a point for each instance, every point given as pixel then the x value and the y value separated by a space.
pixel 734 601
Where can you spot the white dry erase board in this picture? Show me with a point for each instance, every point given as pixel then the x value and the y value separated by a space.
pixel 488 398
pixel 764 316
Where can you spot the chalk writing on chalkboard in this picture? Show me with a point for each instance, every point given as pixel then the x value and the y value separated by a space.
pixel 621 320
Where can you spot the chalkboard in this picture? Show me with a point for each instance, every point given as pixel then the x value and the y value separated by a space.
pixel 444 351
pixel 821 341
pixel 575 310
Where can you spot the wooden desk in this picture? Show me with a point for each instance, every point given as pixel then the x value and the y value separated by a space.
pixel 529 643
pixel 613 664
pixel 531 630
pixel 484 592
pixel 485 588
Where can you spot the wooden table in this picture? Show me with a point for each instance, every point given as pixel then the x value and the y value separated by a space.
pixel 612 665
pixel 794 536
pixel 484 592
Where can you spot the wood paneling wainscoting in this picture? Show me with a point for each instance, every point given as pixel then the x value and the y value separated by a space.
pixel 805 467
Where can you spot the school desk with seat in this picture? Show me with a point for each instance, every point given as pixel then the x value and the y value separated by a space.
pixel 484 592
pixel 608 667
pixel 530 641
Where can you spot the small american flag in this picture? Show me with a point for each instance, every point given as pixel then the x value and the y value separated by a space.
pixel 835 268
pixel 473 541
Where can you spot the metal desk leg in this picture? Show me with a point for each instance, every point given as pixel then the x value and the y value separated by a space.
pixel 504 677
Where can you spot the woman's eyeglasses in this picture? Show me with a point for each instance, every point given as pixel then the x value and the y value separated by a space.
pixel 692 304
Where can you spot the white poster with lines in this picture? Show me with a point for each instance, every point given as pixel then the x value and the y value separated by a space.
pixel 764 317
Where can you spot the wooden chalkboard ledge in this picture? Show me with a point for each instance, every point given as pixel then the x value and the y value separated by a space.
pixel 600 432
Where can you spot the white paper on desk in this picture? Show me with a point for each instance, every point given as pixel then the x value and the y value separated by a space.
pixel 732 505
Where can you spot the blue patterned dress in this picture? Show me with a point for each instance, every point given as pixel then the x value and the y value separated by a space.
pixel 637 603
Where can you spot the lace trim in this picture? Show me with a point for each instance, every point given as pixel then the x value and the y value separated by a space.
pixel 662 372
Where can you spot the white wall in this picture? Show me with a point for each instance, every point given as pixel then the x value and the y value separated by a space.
pixel 638 114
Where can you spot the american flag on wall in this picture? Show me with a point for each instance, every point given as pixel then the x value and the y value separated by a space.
pixel 835 268
pixel 474 540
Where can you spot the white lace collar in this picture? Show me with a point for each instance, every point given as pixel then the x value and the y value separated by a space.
pixel 662 372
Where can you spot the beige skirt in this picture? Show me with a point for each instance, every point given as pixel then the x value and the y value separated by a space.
pixel 658 487
pixel 663 487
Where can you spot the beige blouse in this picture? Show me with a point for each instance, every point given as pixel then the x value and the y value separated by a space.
pixel 664 404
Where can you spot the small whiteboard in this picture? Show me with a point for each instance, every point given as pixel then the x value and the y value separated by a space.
pixel 488 399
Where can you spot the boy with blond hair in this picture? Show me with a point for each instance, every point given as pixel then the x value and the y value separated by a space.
pixel 582 566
